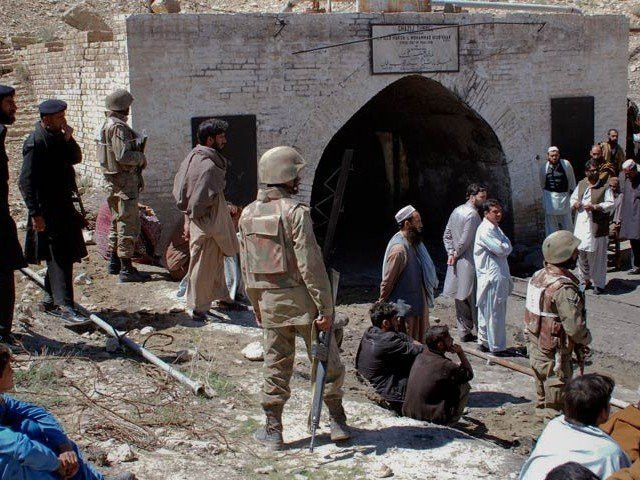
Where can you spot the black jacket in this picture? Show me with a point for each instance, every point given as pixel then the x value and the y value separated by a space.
pixel 47 183
pixel 11 257
pixel 384 359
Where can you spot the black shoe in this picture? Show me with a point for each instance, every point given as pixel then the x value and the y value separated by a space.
pixel 483 349
pixel 70 316
pixel 114 264
pixel 597 291
pixel 203 317
pixel 47 306
pixel 129 273
pixel 9 339
pixel 469 337
pixel 634 271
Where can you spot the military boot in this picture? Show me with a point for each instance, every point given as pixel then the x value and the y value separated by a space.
pixel 271 434
pixel 129 273
pixel 114 264
pixel 339 429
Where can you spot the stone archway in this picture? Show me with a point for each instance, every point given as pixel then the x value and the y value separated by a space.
pixel 415 142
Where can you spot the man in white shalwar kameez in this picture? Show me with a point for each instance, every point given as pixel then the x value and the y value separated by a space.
pixel 592 205
pixel 490 252
pixel 557 181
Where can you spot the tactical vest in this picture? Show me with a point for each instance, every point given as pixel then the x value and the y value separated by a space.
pixel 540 320
pixel 601 219
pixel 269 259
pixel 104 151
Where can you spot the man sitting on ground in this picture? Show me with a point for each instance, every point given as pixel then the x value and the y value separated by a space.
pixel 438 389
pixel 624 428
pixel 385 356
pixel 33 446
pixel 575 436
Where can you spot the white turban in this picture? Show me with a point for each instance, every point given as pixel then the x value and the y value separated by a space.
pixel 404 213
pixel 553 149
pixel 628 164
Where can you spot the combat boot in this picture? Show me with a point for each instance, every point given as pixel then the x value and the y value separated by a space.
pixel 114 264
pixel 339 429
pixel 129 273
pixel 271 434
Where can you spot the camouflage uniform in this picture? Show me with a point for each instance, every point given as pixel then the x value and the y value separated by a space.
pixel 554 324
pixel 288 286
pixel 122 162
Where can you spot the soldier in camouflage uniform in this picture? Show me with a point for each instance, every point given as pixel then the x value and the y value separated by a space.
pixel 121 156
pixel 555 321
pixel 288 286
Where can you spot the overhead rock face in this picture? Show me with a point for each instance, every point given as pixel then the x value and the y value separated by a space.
pixel 83 17
pixel 165 6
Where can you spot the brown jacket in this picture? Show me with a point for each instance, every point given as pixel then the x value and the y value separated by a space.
pixel 433 389
pixel 631 473
pixel 619 158
pixel 624 428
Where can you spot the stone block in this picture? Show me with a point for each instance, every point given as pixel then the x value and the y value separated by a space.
pixel 85 18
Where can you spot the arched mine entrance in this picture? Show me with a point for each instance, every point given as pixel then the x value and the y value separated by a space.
pixel 415 142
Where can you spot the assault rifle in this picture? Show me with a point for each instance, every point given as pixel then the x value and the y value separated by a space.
pixel 320 354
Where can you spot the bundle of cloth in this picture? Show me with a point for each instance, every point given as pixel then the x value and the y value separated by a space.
pixel 148 240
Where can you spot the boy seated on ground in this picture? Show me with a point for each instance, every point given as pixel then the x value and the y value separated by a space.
pixel 33 445
pixel 575 436
pixel 438 389
pixel 385 356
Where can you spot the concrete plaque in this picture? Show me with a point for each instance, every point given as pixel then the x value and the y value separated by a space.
pixel 414 48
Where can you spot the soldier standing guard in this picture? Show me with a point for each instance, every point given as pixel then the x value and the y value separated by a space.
pixel 48 185
pixel 555 323
pixel 120 153
pixel 288 286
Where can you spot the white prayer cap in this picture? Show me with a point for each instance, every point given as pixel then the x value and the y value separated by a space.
pixel 630 163
pixel 404 213
pixel 553 149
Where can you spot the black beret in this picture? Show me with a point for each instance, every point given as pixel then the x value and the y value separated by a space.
pixel 50 107
pixel 6 90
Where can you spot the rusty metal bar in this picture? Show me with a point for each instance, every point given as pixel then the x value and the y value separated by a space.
pixel 197 387
pixel 527 371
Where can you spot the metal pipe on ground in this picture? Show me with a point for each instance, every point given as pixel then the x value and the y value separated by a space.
pixel 525 370
pixel 507 6
pixel 197 387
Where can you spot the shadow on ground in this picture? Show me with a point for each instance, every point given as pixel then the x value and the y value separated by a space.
pixel 493 399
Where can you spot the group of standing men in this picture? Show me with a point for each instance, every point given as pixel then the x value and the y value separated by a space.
pixel 604 203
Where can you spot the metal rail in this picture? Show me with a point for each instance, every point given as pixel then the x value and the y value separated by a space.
pixel 526 371
pixel 508 6
pixel 197 387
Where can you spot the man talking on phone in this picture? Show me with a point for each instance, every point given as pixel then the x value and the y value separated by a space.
pixel 54 227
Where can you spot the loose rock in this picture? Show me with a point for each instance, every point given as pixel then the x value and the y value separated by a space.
pixel 123 453
pixel 165 6
pixel 383 472
pixel 264 470
pixel 83 17
pixel 112 345
pixel 253 352
pixel 83 279
pixel 147 330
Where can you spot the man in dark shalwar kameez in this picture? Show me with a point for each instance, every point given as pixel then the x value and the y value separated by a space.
pixel 48 186
pixel 10 250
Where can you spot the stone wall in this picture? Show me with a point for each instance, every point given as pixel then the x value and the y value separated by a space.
pixel 80 70
pixel 183 66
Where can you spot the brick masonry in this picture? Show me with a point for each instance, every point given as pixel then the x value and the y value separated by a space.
pixel 183 66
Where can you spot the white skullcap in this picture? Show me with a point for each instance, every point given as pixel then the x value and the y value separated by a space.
pixel 404 213
pixel 628 164
pixel 553 149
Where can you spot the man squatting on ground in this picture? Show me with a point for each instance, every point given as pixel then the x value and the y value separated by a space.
pixel 198 189
pixel 630 210
pixel 120 153
pixel 385 355
pixel 575 436
pixel 54 228
pixel 408 273
pixel 490 251
pixel 33 446
pixel 555 322
pixel 11 257
pixel 593 205
pixel 438 389
pixel 289 289
pixel 557 181
pixel 460 282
